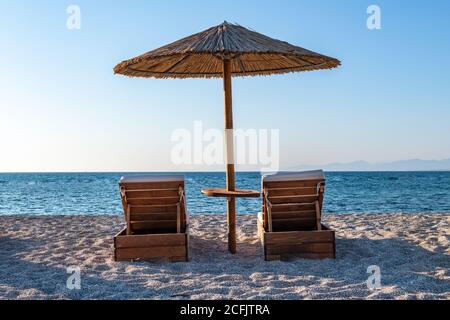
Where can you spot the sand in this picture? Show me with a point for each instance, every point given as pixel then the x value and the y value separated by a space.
pixel 412 252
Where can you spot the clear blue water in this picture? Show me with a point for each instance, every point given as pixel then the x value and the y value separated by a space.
pixel 350 192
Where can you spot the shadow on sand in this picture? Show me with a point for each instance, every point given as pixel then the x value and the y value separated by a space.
pixel 405 266
pixel 31 280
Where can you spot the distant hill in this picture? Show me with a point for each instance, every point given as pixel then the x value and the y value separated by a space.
pixel 403 165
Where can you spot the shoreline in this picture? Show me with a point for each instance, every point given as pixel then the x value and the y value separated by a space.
pixel 412 251
pixel 325 214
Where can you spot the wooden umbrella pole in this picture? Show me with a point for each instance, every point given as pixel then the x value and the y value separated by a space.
pixel 231 201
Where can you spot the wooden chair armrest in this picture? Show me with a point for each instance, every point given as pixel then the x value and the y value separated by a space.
pixel 269 212
pixel 266 197
pixel 181 204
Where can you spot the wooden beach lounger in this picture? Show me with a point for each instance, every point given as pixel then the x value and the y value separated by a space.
pixel 290 223
pixel 156 216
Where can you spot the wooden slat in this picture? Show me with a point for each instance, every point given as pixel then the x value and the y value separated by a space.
pixel 153 216
pixel 293 207
pixel 150 252
pixel 292 191
pixel 300 248
pixel 152 201
pixel 293 224
pixel 144 241
pixel 293 214
pixel 291 184
pixel 293 199
pixel 154 209
pixel 154 225
pixel 152 185
pixel 296 237
pixel 155 193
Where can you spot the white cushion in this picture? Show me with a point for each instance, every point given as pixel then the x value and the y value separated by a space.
pixel 152 178
pixel 294 176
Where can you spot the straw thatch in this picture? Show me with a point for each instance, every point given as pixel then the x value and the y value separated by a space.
pixel 201 56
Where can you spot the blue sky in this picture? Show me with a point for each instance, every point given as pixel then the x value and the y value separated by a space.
pixel 63 109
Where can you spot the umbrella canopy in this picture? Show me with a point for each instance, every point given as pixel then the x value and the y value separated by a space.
pixel 201 56
pixel 222 52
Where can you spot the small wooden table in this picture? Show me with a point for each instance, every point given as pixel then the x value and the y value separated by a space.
pixel 231 208
pixel 224 193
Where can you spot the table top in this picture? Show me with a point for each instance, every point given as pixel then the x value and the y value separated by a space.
pixel 238 193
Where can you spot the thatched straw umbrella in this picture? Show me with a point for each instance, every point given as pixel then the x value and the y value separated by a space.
pixel 224 51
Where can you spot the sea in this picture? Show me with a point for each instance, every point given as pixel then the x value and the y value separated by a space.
pixel 346 192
